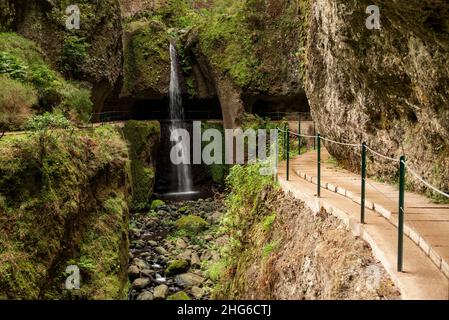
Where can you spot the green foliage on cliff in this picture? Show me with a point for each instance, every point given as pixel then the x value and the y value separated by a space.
pixel 142 137
pixel 246 222
pixel 217 172
pixel 22 60
pixel 259 44
pixel 62 200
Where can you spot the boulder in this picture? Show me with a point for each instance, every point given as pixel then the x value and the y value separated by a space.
pixel 160 292
pixel 188 280
pixel 181 295
pixel 145 296
pixel 141 283
pixel 177 267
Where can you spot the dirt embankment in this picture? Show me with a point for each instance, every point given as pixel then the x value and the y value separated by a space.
pixel 305 256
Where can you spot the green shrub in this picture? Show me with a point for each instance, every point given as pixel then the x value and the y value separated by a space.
pixel 74 53
pixel 268 222
pixel 48 121
pixel 10 65
pixel 16 102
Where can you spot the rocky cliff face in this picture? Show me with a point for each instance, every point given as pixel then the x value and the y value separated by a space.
pixel 92 54
pixel 389 87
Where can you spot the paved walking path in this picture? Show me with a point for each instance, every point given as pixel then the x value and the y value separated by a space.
pixel 426 242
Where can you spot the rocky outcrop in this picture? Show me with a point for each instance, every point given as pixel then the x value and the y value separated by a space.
pixel 147 60
pixel 92 54
pixel 389 87
pixel 143 139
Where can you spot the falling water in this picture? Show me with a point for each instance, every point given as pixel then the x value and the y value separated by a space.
pixel 183 172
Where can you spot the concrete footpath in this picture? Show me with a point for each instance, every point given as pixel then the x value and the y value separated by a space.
pixel 426 241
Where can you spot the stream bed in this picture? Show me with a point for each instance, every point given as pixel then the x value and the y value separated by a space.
pixel 171 248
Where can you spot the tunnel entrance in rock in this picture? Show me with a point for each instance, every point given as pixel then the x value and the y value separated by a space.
pixel 277 107
pixel 158 109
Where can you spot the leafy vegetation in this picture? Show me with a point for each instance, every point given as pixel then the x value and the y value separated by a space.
pixel 16 103
pixel 22 60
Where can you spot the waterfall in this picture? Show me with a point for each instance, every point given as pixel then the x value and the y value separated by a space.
pixel 183 171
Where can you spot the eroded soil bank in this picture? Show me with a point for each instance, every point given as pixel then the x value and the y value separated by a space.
pixel 304 256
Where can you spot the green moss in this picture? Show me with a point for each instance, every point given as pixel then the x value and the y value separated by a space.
pixel 193 224
pixel 54 213
pixel 156 204
pixel 181 295
pixel 142 137
pixel 147 60
pixel 176 267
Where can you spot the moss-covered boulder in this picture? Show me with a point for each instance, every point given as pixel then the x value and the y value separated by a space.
pixel 72 210
pixel 181 295
pixel 191 223
pixel 143 139
pixel 176 267
pixel 156 204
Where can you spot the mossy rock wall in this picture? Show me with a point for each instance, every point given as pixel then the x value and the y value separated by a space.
pixel 92 54
pixel 63 201
pixel 147 60
pixel 388 87
pixel 143 138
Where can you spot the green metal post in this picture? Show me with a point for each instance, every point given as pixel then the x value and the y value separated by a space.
pixel 318 141
pixel 299 134
pixel 314 133
pixel 362 208
pixel 288 155
pixel 401 214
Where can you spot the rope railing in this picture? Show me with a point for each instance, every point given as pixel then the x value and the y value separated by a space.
pixel 427 184
pixel 403 166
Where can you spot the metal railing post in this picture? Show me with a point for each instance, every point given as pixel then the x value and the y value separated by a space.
pixel 363 193
pixel 401 214
pixel 299 134
pixel 314 133
pixel 288 154
pixel 318 141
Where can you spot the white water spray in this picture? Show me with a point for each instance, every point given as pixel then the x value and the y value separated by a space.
pixel 183 172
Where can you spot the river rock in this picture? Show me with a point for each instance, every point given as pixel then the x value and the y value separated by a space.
pixel 141 264
pixel 161 250
pixel 181 244
pixel 145 296
pixel 181 295
pixel 133 272
pixel 186 255
pixel 160 292
pixel 197 292
pixel 152 243
pixel 188 280
pixel 177 267
pixel 195 260
pixel 141 283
